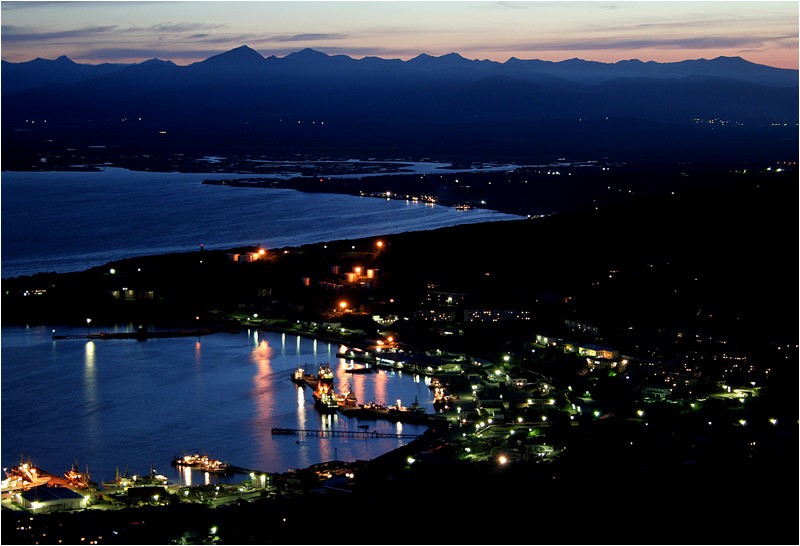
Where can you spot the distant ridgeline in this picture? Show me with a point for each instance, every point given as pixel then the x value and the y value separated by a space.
pixel 312 101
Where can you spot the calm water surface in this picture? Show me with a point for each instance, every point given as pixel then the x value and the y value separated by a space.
pixel 71 221
pixel 123 403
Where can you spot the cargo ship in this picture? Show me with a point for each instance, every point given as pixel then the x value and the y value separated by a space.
pixel 24 476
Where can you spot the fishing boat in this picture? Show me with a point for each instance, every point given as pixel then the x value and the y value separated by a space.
pixel 203 463
pixel 215 466
pixel 77 478
pixel 190 461
pixel 125 481
pixel 325 399
pixel 399 409
pixel 301 378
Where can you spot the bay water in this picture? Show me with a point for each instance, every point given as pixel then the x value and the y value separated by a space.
pixel 118 405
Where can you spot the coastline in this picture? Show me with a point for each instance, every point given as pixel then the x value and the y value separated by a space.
pixel 230 219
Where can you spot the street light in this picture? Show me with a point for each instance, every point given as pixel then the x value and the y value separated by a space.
pixel 88 321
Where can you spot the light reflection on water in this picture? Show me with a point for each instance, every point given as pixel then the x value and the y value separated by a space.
pixel 135 404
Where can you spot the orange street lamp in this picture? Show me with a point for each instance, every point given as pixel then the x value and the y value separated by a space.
pixel 379 244
pixel 343 305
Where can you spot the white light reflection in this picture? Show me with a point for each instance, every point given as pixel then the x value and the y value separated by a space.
pixel 301 407
pixel 187 475
pixel 198 356
pixel 264 400
pixel 90 387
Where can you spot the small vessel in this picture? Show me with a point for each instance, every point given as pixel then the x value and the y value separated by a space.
pixel 298 377
pixel 301 378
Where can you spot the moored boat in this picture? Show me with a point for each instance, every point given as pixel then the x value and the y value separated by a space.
pixel 325 399
pixel 80 479
pixel 191 461
pixel 301 378
pixel 24 476
pixel 124 481
pixel 215 466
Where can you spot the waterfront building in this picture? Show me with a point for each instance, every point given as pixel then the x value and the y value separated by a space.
pixel 51 499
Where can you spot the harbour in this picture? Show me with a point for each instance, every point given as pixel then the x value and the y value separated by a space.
pixel 136 404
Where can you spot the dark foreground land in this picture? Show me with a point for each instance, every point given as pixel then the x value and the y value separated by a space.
pixel 702 280
pixel 604 495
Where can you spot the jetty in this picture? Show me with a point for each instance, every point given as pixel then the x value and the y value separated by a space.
pixel 341 433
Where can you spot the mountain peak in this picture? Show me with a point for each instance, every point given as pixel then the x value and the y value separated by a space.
pixel 158 62
pixel 450 59
pixel 730 60
pixel 239 57
pixel 307 54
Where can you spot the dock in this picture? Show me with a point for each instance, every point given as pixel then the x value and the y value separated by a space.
pixel 340 433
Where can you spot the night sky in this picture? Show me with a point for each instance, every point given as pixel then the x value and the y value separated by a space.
pixel 186 32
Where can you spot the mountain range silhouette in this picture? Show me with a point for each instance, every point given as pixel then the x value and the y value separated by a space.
pixel 240 87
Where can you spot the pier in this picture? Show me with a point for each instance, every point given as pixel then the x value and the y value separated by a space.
pixel 341 433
